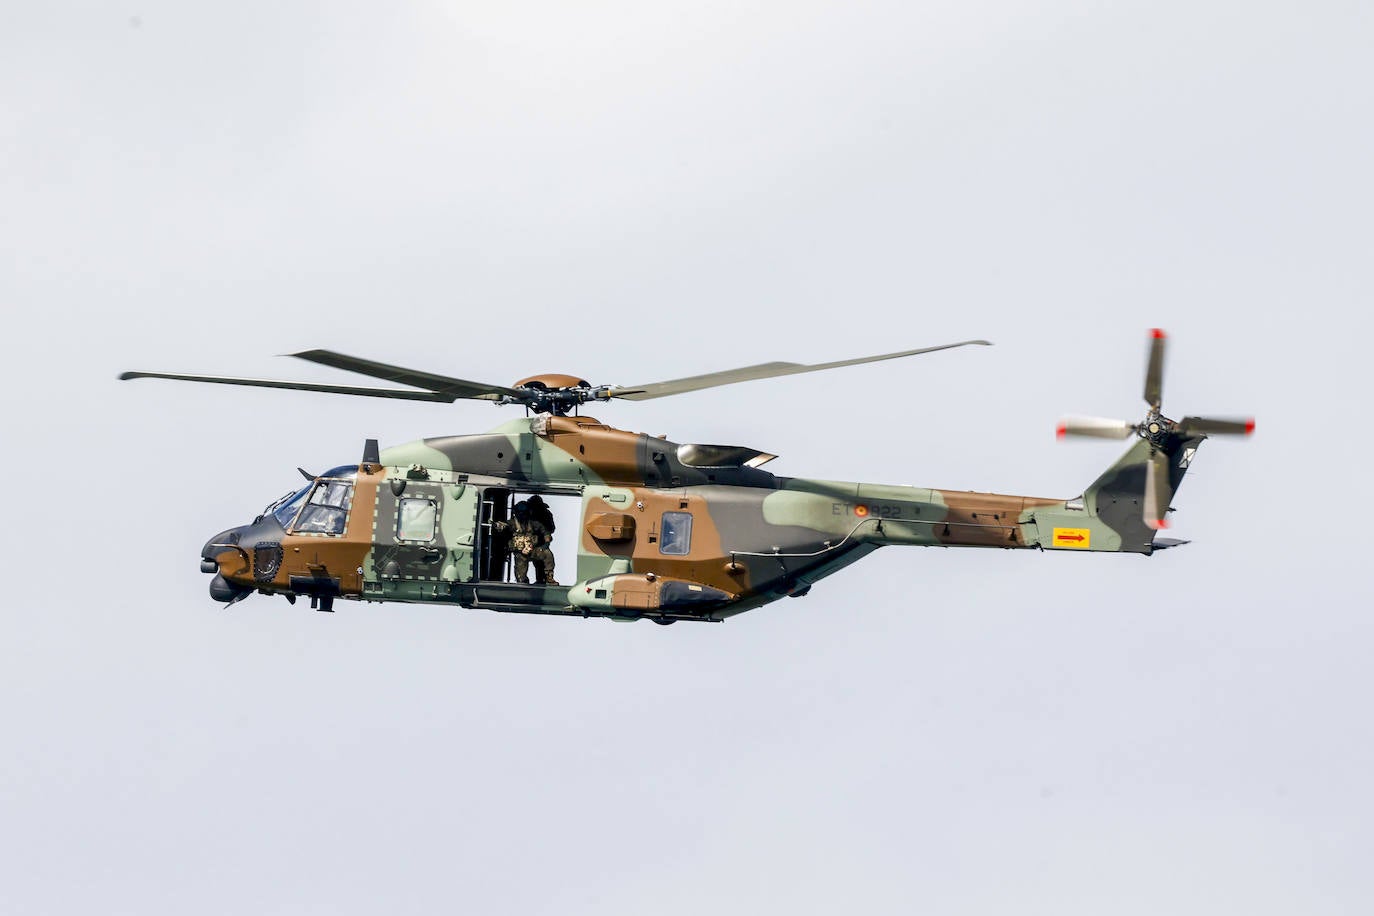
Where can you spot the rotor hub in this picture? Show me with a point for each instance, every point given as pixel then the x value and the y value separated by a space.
pixel 553 394
pixel 1156 428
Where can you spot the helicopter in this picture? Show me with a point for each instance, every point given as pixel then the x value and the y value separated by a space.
pixel 666 531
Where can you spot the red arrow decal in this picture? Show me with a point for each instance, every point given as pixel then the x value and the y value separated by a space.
pixel 1069 537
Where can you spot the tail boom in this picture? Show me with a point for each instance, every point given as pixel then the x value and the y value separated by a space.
pixel 1108 518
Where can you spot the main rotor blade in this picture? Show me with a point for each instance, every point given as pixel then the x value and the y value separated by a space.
pixel 761 371
pixel 1097 427
pixel 1208 427
pixel 299 386
pixel 1154 370
pixel 1158 493
pixel 457 387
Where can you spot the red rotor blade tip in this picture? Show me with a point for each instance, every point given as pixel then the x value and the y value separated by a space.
pixel 1157 334
pixel 1249 426
pixel 1061 431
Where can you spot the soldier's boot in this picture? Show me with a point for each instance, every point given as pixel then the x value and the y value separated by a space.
pixel 543 571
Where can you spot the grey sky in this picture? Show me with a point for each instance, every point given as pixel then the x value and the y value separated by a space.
pixel 631 192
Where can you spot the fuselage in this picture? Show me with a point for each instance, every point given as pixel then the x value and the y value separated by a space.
pixel 665 531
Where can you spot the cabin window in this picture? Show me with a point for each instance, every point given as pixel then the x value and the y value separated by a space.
pixel 326 512
pixel 416 520
pixel 676 536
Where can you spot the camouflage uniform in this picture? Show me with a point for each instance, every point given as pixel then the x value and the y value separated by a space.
pixel 529 540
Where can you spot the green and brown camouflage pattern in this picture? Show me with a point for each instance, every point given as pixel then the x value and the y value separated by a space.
pixel 755 537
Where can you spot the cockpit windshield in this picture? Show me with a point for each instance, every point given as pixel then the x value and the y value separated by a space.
pixel 326 511
pixel 286 508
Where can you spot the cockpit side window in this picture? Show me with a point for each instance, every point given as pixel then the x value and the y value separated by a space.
pixel 326 512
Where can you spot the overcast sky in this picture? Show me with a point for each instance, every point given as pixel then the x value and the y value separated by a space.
pixel 638 191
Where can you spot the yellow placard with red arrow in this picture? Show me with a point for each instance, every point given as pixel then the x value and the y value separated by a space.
pixel 1074 538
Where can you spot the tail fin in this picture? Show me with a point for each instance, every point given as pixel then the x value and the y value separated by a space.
pixel 1118 497
pixel 1111 515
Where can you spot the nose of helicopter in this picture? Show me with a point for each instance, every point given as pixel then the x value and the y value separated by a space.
pixel 226 539
pixel 243 559
pixel 222 589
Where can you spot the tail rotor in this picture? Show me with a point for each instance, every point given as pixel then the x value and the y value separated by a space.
pixel 1159 431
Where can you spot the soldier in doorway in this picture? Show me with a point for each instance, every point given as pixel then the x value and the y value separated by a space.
pixel 529 540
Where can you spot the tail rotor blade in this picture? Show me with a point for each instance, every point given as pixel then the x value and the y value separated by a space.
pixel 1096 427
pixel 1189 426
pixel 1154 371
pixel 1158 492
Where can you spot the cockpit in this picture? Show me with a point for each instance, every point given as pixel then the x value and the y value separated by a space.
pixel 319 507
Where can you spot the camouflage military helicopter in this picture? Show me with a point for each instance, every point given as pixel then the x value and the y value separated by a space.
pixel 667 531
